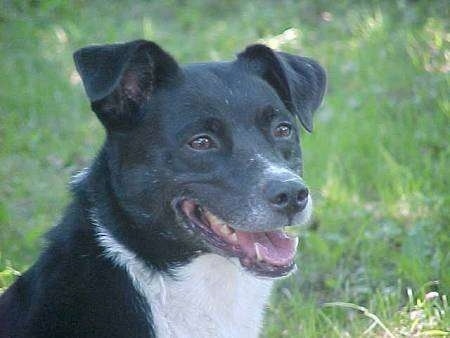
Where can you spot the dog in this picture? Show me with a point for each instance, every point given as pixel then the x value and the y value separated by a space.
pixel 177 227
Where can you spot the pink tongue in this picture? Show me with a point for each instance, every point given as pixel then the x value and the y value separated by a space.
pixel 274 247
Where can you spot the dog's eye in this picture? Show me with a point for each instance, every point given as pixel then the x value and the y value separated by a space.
pixel 202 142
pixel 283 130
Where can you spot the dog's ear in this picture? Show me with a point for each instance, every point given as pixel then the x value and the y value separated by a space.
pixel 120 78
pixel 299 81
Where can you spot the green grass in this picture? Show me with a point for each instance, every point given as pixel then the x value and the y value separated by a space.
pixel 377 163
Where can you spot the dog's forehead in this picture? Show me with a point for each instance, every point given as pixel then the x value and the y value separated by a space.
pixel 218 90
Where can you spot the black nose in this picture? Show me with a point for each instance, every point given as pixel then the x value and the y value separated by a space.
pixel 288 196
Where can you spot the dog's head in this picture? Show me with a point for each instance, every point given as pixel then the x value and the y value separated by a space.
pixel 208 154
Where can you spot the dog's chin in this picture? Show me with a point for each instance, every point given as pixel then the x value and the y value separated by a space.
pixel 266 254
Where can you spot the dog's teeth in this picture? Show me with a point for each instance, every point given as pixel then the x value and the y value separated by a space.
pixel 211 217
pixel 233 238
pixel 225 229
pixel 258 254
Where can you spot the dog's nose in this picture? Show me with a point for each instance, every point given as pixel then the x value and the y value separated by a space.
pixel 288 196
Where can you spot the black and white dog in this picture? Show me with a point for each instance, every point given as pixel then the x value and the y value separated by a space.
pixel 176 229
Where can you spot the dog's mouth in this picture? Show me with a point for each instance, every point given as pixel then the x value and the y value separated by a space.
pixel 269 254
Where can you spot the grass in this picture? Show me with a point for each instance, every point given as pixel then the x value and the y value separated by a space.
pixel 375 261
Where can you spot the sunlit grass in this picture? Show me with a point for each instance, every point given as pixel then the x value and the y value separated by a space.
pixel 7 276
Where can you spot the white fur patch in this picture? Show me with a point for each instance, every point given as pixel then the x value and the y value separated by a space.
pixel 212 296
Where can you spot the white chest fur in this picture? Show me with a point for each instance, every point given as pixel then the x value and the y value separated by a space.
pixel 210 297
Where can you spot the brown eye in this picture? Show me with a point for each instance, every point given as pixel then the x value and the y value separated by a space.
pixel 282 130
pixel 202 142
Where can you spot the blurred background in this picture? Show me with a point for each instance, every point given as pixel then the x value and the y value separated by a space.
pixel 375 260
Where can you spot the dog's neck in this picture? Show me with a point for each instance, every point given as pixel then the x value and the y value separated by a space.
pixel 211 296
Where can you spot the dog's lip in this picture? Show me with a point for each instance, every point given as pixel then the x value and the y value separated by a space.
pixel 269 253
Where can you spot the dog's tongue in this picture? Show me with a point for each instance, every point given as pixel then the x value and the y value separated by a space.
pixel 274 247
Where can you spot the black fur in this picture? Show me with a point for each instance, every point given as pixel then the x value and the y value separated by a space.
pixel 151 108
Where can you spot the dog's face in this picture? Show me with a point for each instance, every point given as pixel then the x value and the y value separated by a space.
pixel 210 150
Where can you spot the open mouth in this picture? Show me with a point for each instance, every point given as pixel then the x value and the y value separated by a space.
pixel 269 253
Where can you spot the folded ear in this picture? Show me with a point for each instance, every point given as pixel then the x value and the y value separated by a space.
pixel 120 78
pixel 299 81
